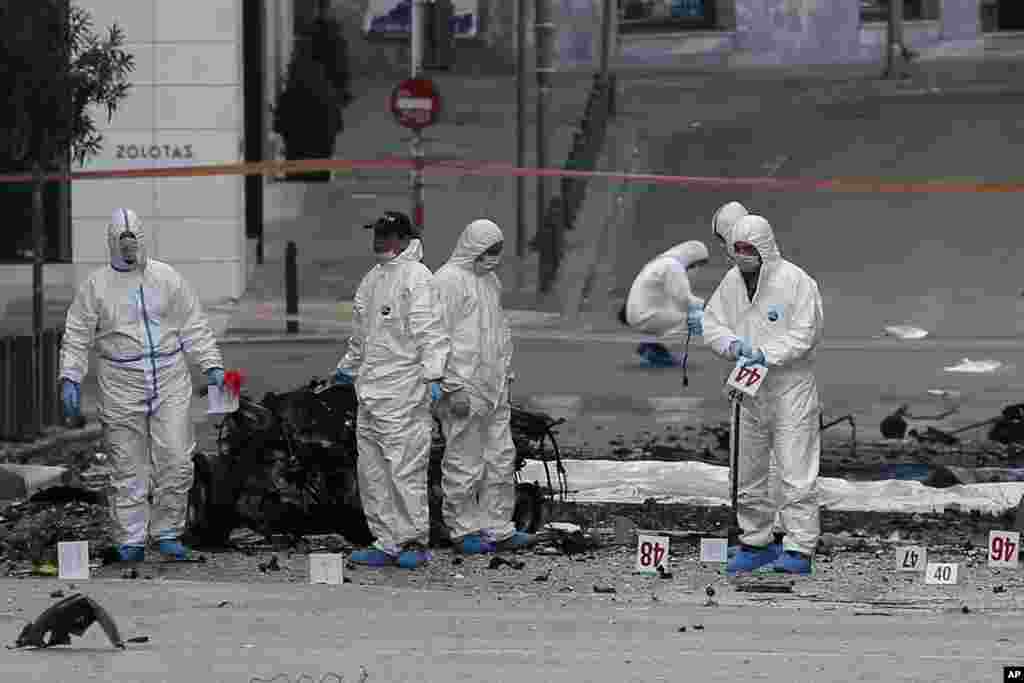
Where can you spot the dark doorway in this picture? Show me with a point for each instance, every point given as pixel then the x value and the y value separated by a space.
pixel 1011 15
pixel 254 64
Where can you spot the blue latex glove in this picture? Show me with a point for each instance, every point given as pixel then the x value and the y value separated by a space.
pixel 343 378
pixel 71 394
pixel 741 348
pixel 757 358
pixel 215 377
pixel 695 320
pixel 435 391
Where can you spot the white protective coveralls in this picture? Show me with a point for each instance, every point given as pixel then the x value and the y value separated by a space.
pixel 785 321
pixel 723 221
pixel 143 323
pixel 397 347
pixel 660 294
pixel 478 470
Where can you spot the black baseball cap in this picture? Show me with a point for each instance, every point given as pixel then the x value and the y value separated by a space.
pixel 393 222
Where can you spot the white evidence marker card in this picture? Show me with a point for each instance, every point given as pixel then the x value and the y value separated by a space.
pixel 327 568
pixel 747 379
pixel 942 574
pixel 1003 549
pixel 911 558
pixel 651 552
pixel 73 560
pixel 713 549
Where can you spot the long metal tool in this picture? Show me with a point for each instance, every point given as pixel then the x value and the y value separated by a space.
pixel 736 397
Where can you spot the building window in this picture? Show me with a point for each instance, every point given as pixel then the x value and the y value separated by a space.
pixel 653 15
pixel 913 10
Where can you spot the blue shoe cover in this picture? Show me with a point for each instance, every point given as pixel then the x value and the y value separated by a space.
pixel 473 544
pixel 749 559
pixel 173 549
pixel 131 553
pixel 372 558
pixel 519 539
pixel 657 355
pixel 774 547
pixel 411 559
pixel 792 562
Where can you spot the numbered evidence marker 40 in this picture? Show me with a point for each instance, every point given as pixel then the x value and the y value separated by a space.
pixel 651 552
pixel 912 558
pixel 942 574
pixel 1003 549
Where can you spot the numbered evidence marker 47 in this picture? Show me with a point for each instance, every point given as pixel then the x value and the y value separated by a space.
pixel 941 574
pixel 912 558
pixel 1003 548
pixel 651 552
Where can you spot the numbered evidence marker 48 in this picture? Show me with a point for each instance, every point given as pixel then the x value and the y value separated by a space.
pixel 651 552
pixel 1003 549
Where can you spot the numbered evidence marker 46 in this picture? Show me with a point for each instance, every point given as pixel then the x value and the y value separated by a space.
pixel 73 560
pixel 941 574
pixel 326 568
pixel 651 552
pixel 912 558
pixel 713 550
pixel 1003 548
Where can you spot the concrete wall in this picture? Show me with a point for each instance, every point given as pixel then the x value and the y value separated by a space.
pixel 799 31
pixel 185 108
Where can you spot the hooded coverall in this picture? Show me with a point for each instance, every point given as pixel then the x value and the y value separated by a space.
pixel 784 319
pixel 723 221
pixel 660 296
pixel 143 321
pixel 478 470
pixel 397 347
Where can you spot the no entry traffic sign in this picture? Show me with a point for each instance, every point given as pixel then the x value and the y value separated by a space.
pixel 416 103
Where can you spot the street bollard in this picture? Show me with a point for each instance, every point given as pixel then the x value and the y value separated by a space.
pixel 291 287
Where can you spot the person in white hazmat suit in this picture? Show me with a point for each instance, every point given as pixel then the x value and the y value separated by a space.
pixel 478 470
pixel 396 353
pixel 768 311
pixel 144 322
pixel 722 224
pixel 661 302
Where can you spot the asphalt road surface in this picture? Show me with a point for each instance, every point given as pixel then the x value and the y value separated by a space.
pixel 283 632
pixel 945 262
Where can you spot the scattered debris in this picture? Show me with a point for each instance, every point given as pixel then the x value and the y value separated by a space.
pixel 604 589
pixel 663 573
pixel 224 603
pixel 57 594
pixel 499 562
pixel 999 589
pixel 72 615
pixel 543 577
pixel 965 609
pixel 456 561
pixel 682 629
pixel 271 565
pixel 698 627
pixel 132 573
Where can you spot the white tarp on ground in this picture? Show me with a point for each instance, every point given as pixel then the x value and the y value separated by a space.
pixel 696 483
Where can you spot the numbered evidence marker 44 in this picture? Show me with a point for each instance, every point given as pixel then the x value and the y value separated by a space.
pixel 1003 549
pixel 651 552
pixel 747 380
pixel 942 573
pixel 912 558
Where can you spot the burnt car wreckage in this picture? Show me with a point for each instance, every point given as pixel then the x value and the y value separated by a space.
pixel 286 465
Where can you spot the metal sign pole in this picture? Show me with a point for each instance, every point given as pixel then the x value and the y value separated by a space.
pixel 416 41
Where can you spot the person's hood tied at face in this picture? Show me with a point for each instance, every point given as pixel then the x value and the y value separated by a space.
pixel 126 242
pixel 754 244
pixel 479 247
pixel 392 234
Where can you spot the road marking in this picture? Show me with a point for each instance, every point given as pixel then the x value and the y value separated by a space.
pixel 704 650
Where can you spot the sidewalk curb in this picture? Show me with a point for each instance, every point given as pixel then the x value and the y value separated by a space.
pixel 21 451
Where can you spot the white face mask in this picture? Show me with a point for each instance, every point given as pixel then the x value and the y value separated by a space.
pixel 747 264
pixel 486 264
pixel 385 256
